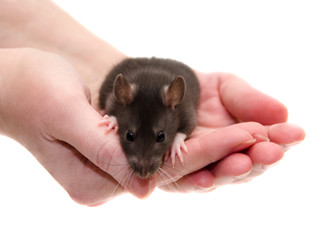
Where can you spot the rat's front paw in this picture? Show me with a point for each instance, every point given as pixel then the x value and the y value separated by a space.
pixel 110 122
pixel 178 145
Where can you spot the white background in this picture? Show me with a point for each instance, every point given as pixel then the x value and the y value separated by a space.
pixel 280 47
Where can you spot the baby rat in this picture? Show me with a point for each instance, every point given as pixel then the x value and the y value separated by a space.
pixel 152 104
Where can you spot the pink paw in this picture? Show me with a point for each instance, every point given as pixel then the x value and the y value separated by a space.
pixel 110 122
pixel 178 145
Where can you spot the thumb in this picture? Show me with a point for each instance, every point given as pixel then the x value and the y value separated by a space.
pixel 249 104
pixel 78 126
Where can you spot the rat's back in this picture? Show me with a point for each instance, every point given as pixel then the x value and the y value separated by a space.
pixel 157 72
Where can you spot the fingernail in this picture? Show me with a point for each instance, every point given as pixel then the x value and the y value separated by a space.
pixel 230 179
pixel 223 180
pixel 261 138
pixel 286 147
pixel 242 176
pixel 244 145
pixel 204 189
pixel 263 167
pixel 258 167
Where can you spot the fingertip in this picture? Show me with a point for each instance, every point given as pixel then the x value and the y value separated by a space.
pixel 249 104
pixel 286 133
pixel 265 154
pixel 233 165
pixel 282 112
pixel 231 168
pixel 199 181
pixel 264 109
pixel 273 110
pixel 202 179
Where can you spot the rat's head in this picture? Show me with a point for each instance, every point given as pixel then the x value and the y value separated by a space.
pixel 147 120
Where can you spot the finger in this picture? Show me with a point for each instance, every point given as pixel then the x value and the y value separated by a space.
pixel 206 148
pixel 286 133
pixel 209 148
pixel 249 104
pixel 199 181
pixel 78 126
pixel 234 167
pixel 258 131
pixel 240 167
pixel 265 154
pixel 237 167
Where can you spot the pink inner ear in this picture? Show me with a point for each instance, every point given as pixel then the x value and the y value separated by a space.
pixel 174 93
pixel 123 90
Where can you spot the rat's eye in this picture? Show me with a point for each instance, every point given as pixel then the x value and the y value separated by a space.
pixel 160 136
pixel 130 136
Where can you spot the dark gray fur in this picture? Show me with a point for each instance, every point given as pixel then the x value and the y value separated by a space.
pixel 146 115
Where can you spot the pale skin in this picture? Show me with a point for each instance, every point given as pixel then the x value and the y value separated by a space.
pixel 48 79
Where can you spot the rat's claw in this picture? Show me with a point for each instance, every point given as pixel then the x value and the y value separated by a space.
pixel 180 154
pixel 184 147
pixel 104 121
pixel 178 145
pixel 110 122
pixel 173 158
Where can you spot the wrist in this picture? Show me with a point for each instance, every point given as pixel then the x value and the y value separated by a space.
pixel 43 25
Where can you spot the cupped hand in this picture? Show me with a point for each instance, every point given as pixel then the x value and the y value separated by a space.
pixel 45 106
pixel 240 132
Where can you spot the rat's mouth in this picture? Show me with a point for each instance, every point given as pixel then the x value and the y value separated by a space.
pixel 146 168
pixel 143 175
pixel 146 171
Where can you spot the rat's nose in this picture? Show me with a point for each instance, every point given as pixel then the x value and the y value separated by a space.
pixel 143 174
pixel 143 169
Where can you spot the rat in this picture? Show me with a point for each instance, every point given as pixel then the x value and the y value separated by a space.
pixel 151 103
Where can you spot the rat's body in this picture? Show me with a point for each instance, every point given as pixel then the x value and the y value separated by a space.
pixel 154 102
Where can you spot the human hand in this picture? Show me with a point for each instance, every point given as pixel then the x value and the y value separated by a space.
pixel 45 106
pixel 58 125
pixel 232 117
pixel 213 139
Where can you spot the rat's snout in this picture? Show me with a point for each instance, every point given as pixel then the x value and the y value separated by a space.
pixel 144 168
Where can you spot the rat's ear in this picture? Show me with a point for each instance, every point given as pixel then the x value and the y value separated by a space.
pixel 174 93
pixel 123 90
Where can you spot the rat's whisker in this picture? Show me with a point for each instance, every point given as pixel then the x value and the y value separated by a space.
pixel 115 189
pixel 118 163
pixel 163 176
pixel 120 170
pixel 169 181
pixel 120 183
pixel 173 171
pixel 129 180
pixel 124 179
